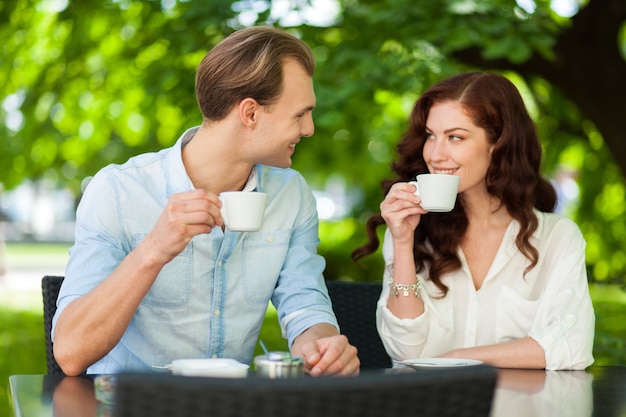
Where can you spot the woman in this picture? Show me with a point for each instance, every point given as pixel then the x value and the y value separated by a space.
pixel 500 278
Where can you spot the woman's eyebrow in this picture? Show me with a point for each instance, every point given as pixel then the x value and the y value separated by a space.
pixel 455 128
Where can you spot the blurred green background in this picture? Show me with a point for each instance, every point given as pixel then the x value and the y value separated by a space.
pixel 92 82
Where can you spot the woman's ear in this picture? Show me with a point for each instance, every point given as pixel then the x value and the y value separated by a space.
pixel 248 111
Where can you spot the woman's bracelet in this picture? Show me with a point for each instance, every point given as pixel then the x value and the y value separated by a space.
pixel 396 288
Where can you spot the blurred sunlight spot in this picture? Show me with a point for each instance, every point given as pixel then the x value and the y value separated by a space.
pixel 53 6
pixel 321 13
pixel 128 31
pixel 567 190
pixel 248 10
pixel 565 8
pixel 341 134
pixel 44 104
pixel 136 122
pixel 13 101
pixel 595 140
pixel 247 17
pixel 116 108
pixel 86 129
pixel 335 201
pixel 85 101
pixel 168 4
pixel 43 217
pixel 14 120
pixel 95 62
pixel 528 5
pixel 378 150
pixel 57 112
pixel 257 6
pixel 325 207
pixel 570 189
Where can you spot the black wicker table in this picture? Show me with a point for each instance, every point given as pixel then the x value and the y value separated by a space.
pixel 598 391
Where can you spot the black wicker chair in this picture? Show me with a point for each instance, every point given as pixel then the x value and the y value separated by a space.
pixel 50 286
pixel 455 392
pixel 354 304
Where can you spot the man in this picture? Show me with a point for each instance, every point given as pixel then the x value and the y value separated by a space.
pixel 153 275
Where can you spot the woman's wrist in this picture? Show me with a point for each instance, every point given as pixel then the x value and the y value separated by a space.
pixel 399 288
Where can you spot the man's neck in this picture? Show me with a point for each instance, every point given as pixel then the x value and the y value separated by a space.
pixel 212 161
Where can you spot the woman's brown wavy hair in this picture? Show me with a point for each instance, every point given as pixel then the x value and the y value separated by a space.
pixel 513 176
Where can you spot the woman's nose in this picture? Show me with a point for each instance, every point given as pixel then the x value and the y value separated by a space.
pixel 438 150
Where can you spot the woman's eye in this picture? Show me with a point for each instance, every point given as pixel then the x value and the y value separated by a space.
pixel 455 138
pixel 429 136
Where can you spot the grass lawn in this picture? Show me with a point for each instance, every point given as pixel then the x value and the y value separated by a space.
pixel 609 302
pixel 22 346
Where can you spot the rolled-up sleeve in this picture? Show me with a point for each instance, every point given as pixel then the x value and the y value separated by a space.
pixel 301 297
pixel 403 338
pixel 564 324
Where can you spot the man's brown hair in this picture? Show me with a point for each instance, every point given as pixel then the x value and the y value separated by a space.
pixel 247 63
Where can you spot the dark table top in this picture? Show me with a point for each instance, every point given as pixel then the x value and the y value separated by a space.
pixel 598 391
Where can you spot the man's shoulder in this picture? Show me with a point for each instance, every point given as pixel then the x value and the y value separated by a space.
pixel 274 175
pixel 286 183
pixel 136 164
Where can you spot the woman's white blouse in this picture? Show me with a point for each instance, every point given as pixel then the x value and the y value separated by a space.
pixel 551 303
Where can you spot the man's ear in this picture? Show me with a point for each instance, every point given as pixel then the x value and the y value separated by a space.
pixel 248 111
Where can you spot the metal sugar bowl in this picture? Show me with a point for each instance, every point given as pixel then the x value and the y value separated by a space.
pixel 279 365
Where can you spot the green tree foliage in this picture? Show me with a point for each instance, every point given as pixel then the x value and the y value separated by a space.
pixel 87 83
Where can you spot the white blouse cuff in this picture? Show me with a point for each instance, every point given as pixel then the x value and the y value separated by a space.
pixel 403 331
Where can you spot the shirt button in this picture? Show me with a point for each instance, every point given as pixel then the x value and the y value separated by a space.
pixel 270 239
pixel 217 313
pixel 219 264
pixel 214 356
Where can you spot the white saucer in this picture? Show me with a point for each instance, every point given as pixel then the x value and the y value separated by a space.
pixel 440 362
pixel 218 367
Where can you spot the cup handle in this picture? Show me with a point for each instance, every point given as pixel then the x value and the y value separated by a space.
pixel 417 188
pixel 223 211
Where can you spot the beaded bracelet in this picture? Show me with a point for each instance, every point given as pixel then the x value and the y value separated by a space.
pixel 396 288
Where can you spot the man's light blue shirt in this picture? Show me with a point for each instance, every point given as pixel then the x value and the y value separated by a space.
pixel 209 301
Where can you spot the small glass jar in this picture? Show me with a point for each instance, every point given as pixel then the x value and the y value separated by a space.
pixel 279 365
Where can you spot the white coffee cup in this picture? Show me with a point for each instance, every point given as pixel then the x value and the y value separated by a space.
pixel 243 210
pixel 437 191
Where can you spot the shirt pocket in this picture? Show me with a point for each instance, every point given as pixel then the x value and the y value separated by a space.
pixel 264 255
pixel 514 316
pixel 172 287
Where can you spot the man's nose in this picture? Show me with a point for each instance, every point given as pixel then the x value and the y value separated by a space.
pixel 308 127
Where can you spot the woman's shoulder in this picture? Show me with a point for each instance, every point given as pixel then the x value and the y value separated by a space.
pixel 550 223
